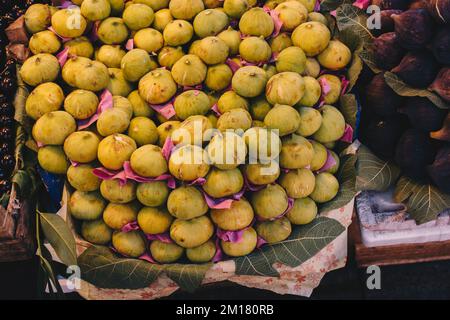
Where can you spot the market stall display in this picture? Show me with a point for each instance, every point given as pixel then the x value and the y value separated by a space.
pixel 111 89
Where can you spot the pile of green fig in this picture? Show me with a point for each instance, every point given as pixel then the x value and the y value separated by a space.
pixel 139 102
pixel 414 45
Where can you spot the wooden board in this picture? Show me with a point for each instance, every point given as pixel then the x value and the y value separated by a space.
pixel 395 254
pixel 18 240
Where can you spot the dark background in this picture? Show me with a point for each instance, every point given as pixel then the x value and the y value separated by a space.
pixel 430 280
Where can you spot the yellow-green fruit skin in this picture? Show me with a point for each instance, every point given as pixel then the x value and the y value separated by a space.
pixel 154 220
pixel 255 50
pixel 222 183
pixel 235 119
pixel 191 233
pixel 336 56
pixel 69 22
pixel 110 55
pixel 189 71
pixel 312 68
pixel 118 85
pixel 259 107
pixel 263 144
pixel 274 231
pixel 44 42
pixel 168 55
pixel 53 128
pixel 298 183
pixel 114 150
pixel 157 86
pixel 235 8
pixel 37 17
pixel 40 68
pixel 82 146
pixel 165 130
pixel 256 175
pixel 53 159
pixel 130 244
pixel 312 37
pixel 243 247
pixel 327 187
pixel 96 232
pixel 310 121
pixel 161 19
pixel 86 205
pixel 291 59
pixel 303 211
pixel 296 152
pixel 231 100
pixel 190 103
pixel 249 81
pixel 135 64
pixel 210 22
pixel 269 202
pixel 138 16
pixel 313 92
pixel 112 31
pixel 139 105
pixel 143 131
pixel 95 10
pixel 335 88
pixel 320 156
pixel 165 252
pixel 44 98
pixel 81 104
pixel 148 161
pixel 113 191
pixel 186 202
pixel 256 22
pixel 185 9
pixel 232 38
pixel 280 42
pixel 202 253
pixel 283 118
pixel 237 217
pixel 178 32
pixel 117 215
pixel 218 77
pixel 148 39
pixel 153 193
pixel 332 127
pixel 285 88
pixel 82 178
pixel 80 46
pixel 292 14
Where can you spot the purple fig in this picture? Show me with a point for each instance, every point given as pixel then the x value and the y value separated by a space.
pixel 382 135
pixel 387 23
pixel 440 10
pixel 414 153
pixel 443 134
pixel 380 98
pixel 439 171
pixel 387 51
pixel 418 69
pixel 441 85
pixel 414 28
pixel 395 4
pixel 418 4
pixel 441 46
pixel 423 114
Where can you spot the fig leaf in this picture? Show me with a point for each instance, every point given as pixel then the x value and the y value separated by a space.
pixel 349 109
pixel 423 201
pixel 374 173
pixel 369 59
pixel 404 90
pixel 349 16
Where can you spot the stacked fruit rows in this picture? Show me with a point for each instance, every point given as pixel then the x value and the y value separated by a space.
pixel 116 86
pixel 414 45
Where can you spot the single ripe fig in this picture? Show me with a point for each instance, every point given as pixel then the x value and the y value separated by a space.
pixel 149 39
pixel 185 9
pixel 148 161
pixel 298 183
pixel 135 64
pixel 96 232
pixel 336 56
pixel 38 17
pixel 292 14
pixel 40 68
pixel 44 42
pixel 414 152
pixel 113 191
pixel 81 146
pixel 152 193
pixel 441 46
pixel 110 55
pixel 297 152
pixel 303 212
pixel 274 231
pixel 441 85
pixel 157 86
pixel 82 178
pixel 414 28
pixel 312 37
pixel 154 220
pixel 44 98
pixel 269 202
pixel 114 150
pixel 202 253
pixel 326 188
pixel 112 31
pixel 285 88
pixel 380 98
pixel 189 163
pixel 283 118
pixel 237 217
pixel 332 127
pixel 210 22
pixel 138 16
pixel 418 69
pixel 69 22
pixel 423 114
pixel 243 247
pixel 190 103
pixel 178 32
pixel 235 8
pixel 280 42
pixel 387 23
pixel 192 233
pixel 80 46
pixel 232 38
pixel 86 205
pixel 186 202
pixel 53 159
pixel 189 70
pixel 212 50
pixel 223 183
pixel 53 128
pixel 387 51
pixel 130 244
pixel 256 22
pixel 255 50
pixel 439 171
pixel 161 19
pixel 249 81
pixel 235 119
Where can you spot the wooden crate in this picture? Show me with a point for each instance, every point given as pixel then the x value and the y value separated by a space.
pixel 395 254
pixel 17 236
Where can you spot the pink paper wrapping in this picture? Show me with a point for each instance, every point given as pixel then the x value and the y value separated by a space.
pixel 131 226
pixel 63 39
pixel 215 109
pixel 328 164
pixel 222 203
pixel 197 182
pixel 167 148
pixel 326 88
pixel 129 45
pixel 232 64
pixel 65 5
pixel 260 242
pixel 289 207
pixel 362 4
pixel 230 236
pixel 344 84
pixel 63 56
pixel 317 6
pixel 348 134
pixel 276 21
pixel 106 102
pixel 218 256
pixel 74 163
pixel 252 187
pixel 39 144
pixel 147 257
pixel 166 110
pixel 163 237
pixel 128 174
pixel 333 13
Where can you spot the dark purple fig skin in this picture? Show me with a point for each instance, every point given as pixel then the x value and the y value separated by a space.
pixel 387 51
pixel 441 46
pixel 418 4
pixel 441 85
pixel 414 152
pixel 414 28
pixel 423 114
pixel 439 10
pixel 382 135
pixel 387 23
pixel 392 4
pixel 418 69
pixel 380 98
pixel 439 171
pixel 443 134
